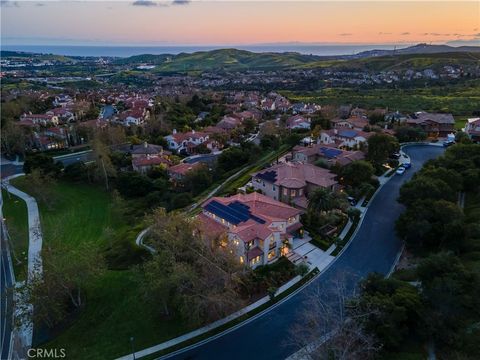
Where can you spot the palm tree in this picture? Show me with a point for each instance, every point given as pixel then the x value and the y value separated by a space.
pixel 321 201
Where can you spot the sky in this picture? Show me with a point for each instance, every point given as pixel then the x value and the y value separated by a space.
pixel 242 22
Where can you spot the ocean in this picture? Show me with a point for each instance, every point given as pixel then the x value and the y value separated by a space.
pixel 125 51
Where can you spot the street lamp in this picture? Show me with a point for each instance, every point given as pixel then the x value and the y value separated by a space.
pixel 133 347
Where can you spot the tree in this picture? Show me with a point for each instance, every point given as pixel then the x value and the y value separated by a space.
pixel 432 225
pixel 408 133
pixel 380 147
pixel 423 188
pixel 462 137
pixel 394 309
pixel 101 154
pixel 190 273
pixel 198 180
pixel 357 173
pixel 232 158
pixel 43 163
pixel 13 139
pixel 331 327
pixel 58 291
pixel 452 293
pixel 133 184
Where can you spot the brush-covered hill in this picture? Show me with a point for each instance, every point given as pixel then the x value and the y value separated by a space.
pixel 223 59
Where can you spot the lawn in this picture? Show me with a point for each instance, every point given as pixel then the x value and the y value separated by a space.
pixel 114 308
pixel 15 213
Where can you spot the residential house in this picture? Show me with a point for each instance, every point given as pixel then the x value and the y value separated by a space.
pixel 37 120
pixel 259 229
pixel 331 155
pixel 472 128
pixel 178 172
pixel 64 114
pixel 434 124
pixel 298 122
pixel 185 142
pixel 350 139
pixel 292 182
pixel 354 123
pixel 229 123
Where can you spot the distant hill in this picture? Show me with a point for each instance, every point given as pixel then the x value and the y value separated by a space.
pixel 417 49
pixel 226 59
pixel 421 55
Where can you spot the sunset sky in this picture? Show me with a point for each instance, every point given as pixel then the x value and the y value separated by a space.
pixel 237 22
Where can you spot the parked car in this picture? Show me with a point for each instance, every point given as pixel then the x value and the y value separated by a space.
pixel 448 143
pixel 407 165
pixel 352 200
pixel 400 170
pixel 395 156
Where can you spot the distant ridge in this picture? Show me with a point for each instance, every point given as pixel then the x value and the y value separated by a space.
pixel 416 49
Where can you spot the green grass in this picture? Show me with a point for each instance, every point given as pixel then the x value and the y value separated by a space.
pixel 459 99
pixel 114 309
pixel 16 218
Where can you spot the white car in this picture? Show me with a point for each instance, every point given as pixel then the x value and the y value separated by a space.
pixel 400 170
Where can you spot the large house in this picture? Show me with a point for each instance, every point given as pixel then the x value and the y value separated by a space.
pixel 472 128
pixel 433 124
pixel 349 139
pixel 185 142
pixel 331 155
pixel 298 122
pixel 354 123
pixel 146 156
pixel 291 183
pixel 259 229
pixel 38 119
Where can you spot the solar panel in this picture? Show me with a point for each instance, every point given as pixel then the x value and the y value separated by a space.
pixel 348 133
pixel 329 152
pixel 234 213
pixel 270 176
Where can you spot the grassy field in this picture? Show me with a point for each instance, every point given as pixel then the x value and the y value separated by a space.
pixel 460 100
pixel 114 308
pixel 15 213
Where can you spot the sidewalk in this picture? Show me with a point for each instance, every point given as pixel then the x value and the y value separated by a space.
pixel 25 332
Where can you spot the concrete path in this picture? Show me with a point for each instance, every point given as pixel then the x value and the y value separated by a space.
pixel 312 255
pixel 25 331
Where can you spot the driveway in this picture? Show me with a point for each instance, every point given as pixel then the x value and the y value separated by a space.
pixel 373 249
pixel 314 257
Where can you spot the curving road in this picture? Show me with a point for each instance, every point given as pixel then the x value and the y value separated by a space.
pixel 374 249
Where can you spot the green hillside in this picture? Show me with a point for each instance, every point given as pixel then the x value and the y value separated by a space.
pixel 228 59
pixel 404 62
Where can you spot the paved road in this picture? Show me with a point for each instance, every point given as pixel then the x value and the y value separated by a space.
pixel 6 282
pixel 374 248
pixel 73 158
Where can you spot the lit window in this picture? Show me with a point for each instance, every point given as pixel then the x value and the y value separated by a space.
pixel 285 192
pixel 271 254
pixel 241 260
pixel 294 193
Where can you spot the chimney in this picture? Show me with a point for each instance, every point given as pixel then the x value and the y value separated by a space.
pixel 193 131
pixel 145 145
pixel 335 131
pixel 174 131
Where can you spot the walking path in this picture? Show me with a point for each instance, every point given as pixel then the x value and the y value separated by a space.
pixel 24 333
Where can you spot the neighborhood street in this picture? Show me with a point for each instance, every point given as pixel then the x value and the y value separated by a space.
pixel 374 248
